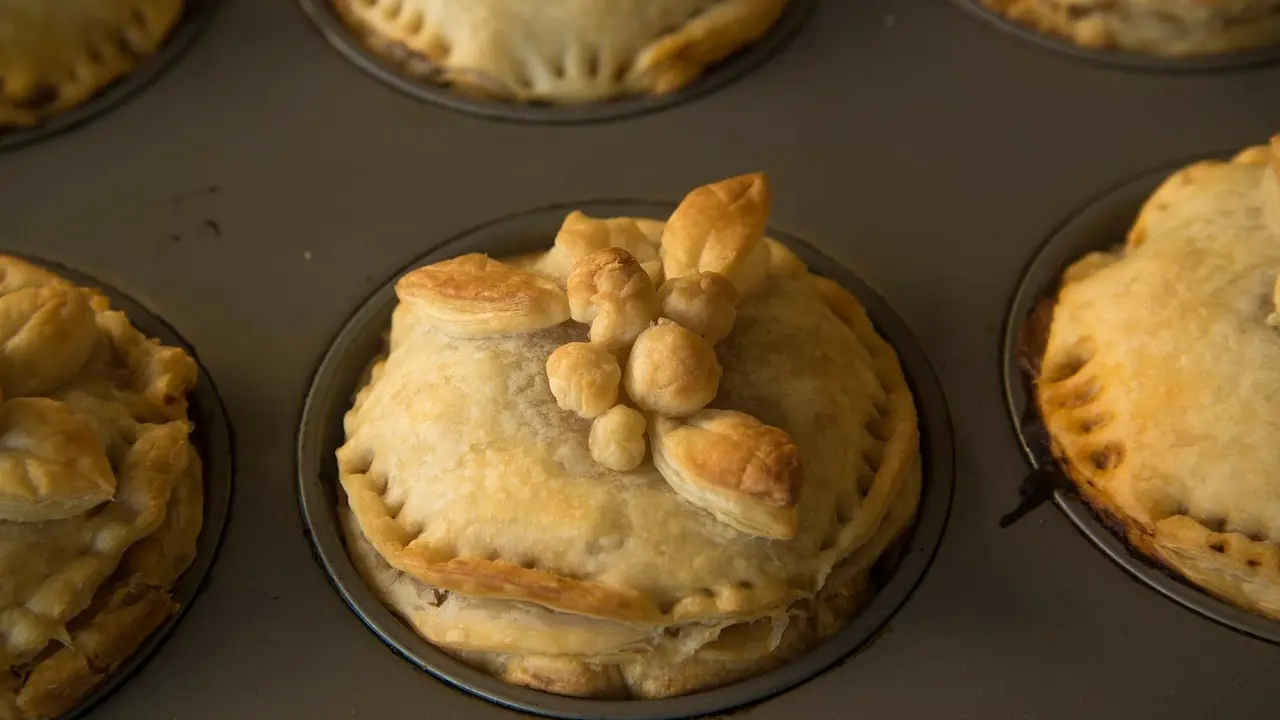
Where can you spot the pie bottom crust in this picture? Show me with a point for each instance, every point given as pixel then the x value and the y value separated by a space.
pixel 125 611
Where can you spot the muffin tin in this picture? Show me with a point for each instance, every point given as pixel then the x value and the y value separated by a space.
pixel 916 148
pixel 1101 225
pixel 1121 58
pixel 184 33
pixel 214 442
pixel 363 337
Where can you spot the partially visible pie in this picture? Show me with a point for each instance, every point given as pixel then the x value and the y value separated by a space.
pixel 55 54
pixel 598 476
pixel 560 51
pixel 100 488
pixel 1165 28
pixel 1160 384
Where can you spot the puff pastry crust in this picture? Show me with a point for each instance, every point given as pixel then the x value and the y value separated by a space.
pixel 560 51
pixel 1166 28
pixel 55 54
pixel 100 489
pixel 551 551
pixel 1160 384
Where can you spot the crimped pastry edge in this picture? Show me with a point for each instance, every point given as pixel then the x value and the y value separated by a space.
pixel 1228 565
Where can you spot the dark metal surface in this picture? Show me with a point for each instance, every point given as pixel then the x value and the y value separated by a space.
pixel 331 25
pixel 1101 225
pixel 213 440
pixel 1121 58
pixel 188 28
pixel 362 339
pixel 914 146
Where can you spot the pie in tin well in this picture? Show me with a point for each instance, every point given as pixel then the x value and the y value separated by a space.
pixel 657 458
pixel 1162 28
pixel 55 54
pixel 559 51
pixel 100 488
pixel 1160 383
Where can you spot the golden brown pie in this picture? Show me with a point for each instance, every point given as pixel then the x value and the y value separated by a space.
pixel 1166 28
pixel 560 51
pixel 552 477
pixel 100 488
pixel 1160 384
pixel 55 54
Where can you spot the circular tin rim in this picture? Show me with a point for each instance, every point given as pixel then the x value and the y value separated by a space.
pixel 213 439
pixel 195 16
pixel 1122 59
pixel 336 31
pixel 1102 224
pixel 361 337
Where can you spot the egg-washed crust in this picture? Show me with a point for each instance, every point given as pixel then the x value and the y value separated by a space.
pixel 559 51
pixel 1206 537
pixel 475 296
pixel 893 447
pixel 1168 28
pixel 55 54
pixel 647 669
pixel 101 605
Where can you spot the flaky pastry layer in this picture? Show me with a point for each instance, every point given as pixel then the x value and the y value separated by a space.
pixel 80 592
pixel 1160 384
pixel 560 51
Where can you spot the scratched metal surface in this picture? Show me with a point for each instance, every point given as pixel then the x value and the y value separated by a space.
pixel 263 187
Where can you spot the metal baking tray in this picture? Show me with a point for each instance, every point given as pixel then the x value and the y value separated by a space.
pixel 885 153
pixel 329 22
pixel 214 442
pixel 1101 225
pixel 194 17
pixel 1122 58
pixel 362 338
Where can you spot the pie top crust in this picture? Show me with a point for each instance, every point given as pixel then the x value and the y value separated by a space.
pixel 475 487
pixel 100 489
pixel 55 54
pixel 1160 384
pixel 561 51
pixel 1168 28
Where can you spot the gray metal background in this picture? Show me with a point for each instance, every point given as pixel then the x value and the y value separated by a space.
pixel 927 152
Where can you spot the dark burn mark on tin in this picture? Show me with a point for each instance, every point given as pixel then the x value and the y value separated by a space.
pixel 1039 485
pixel 213 226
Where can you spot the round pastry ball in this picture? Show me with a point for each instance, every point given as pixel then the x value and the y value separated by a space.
pixel 704 302
pixel 583 378
pixel 609 290
pixel 672 371
pixel 617 438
